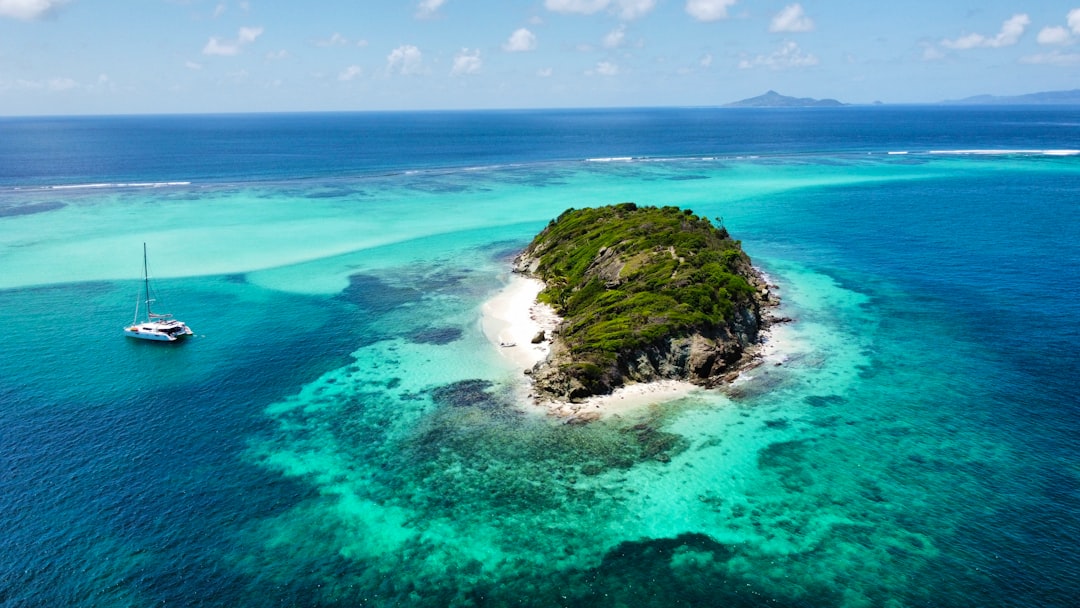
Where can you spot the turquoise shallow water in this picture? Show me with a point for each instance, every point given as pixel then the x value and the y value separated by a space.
pixel 340 432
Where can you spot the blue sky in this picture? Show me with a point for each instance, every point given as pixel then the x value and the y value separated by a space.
pixel 166 56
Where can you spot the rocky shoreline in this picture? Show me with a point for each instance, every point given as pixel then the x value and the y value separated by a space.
pixel 706 355
pixel 703 360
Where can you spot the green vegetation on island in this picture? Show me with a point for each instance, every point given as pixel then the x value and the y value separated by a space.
pixel 645 293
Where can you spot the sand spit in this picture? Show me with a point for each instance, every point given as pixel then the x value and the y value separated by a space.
pixel 513 318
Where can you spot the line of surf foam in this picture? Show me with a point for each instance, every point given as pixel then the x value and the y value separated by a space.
pixel 104 186
pixel 1006 152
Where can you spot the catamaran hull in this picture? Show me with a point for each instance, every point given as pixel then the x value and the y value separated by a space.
pixel 151 333
pixel 142 335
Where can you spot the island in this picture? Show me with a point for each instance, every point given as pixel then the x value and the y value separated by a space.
pixel 1044 98
pixel 638 295
pixel 772 99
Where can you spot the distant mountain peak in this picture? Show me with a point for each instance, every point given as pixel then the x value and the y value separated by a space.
pixel 772 99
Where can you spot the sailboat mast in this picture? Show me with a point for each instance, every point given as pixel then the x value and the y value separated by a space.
pixel 146 279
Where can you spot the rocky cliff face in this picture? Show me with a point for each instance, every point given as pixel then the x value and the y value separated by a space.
pixel 706 350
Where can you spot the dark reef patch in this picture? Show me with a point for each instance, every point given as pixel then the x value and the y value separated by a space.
pixel 436 335
pixel 691 569
pixel 824 400
pixel 466 393
pixel 376 295
pixel 15 210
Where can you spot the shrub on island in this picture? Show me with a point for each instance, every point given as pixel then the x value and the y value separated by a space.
pixel 645 293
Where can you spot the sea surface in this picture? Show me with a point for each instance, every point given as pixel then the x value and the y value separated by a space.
pixel 339 432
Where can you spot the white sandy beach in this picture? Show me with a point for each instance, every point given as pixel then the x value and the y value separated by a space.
pixel 513 317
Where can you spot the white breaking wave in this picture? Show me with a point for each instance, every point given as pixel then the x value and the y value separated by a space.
pixel 99 186
pixel 990 152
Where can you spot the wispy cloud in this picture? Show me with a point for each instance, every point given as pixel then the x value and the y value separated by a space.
pixel 466 62
pixel 1054 57
pixel 244 37
pixel 623 9
pixel 335 39
pixel 789 55
pixel 405 59
pixel 931 52
pixel 615 37
pixel 521 40
pixel 428 9
pixel 350 73
pixel 55 85
pixel 1010 33
pixel 603 68
pixel 29 10
pixel 583 7
pixel 791 19
pixel 632 9
pixel 709 10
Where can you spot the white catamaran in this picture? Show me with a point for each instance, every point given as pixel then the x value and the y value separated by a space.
pixel 157 326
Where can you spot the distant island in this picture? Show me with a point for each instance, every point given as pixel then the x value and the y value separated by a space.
pixel 644 294
pixel 772 99
pixel 1045 98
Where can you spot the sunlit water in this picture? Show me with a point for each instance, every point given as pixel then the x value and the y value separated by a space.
pixel 340 432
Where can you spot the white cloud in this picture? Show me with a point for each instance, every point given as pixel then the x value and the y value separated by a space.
pixel 709 10
pixel 1054 35
pixel 632 9
pixel 227 48
pixel 61 84
pixel 405 59
pixel 583 7
pixel 28 10
pixel 335 39
pixel 249 34
pixel 623 9
pixel 220 9
pixel 428 8
pixel 350 73
pixel 932 53
pixel 277 55
pixel 466 62
pixel 789 55
pixel 614 38
pixel 1073 19
pixel 604 68
pixel 521 40
pixel 49 84
pixel 545 72
pixel 193 65
pixel 1010 33
pixel 706 60
pixel 1052 58
pixel 791 19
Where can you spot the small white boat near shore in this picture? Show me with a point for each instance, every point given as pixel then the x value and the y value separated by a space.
pixel 160 327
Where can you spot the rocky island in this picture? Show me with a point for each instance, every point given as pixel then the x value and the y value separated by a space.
pixel 643 294
pixel 772 99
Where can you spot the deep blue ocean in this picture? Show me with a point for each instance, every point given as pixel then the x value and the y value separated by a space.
pixel 340 432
